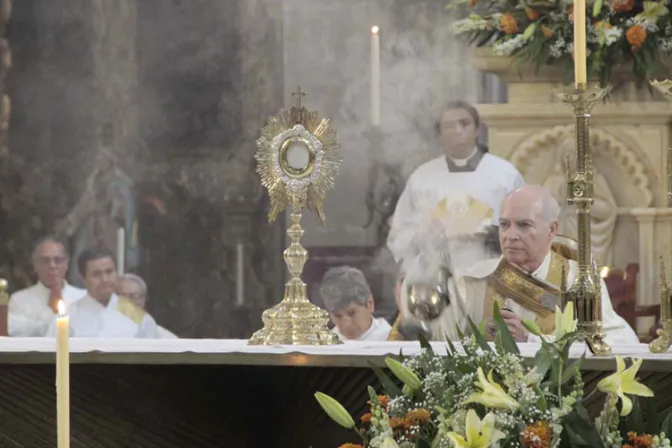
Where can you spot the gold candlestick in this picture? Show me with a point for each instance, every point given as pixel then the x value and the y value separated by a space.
pixel 585 292
pixel 664 340
pixel 298 160
pixel 662 343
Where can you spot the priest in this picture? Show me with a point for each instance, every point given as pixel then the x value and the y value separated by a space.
pixel 525 281
pixel 101 313
pixel 31 310
pixel 465 176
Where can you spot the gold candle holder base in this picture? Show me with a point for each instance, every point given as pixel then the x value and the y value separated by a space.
pixel 664 340
pixel 585 292
pixel 295 321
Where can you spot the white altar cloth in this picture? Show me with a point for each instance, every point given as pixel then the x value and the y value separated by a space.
pixel 228 351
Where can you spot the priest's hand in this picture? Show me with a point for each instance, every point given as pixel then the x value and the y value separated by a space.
pixel 54 297
pixel 515 325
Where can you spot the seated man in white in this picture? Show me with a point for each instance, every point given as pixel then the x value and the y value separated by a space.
pixel 348 299
pixel 101 313
pixel 31 310
pixel 134 288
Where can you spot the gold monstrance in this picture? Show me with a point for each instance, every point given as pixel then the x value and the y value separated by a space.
pixel 298 159
pixel 662 343
pixel 585 292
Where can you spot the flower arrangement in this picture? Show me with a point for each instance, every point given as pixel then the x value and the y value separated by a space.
pixel 540 32
pixel 478 395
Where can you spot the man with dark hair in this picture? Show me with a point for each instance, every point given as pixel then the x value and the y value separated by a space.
pixel 460 191
pixel 31 310
pixel 101 313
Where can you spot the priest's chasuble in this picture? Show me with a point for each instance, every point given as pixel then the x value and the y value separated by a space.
pixel 485 178
pixel 29 314
pixel 533 296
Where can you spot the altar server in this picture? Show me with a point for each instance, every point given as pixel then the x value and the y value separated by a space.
pixel 348 299
pixel 465 177
pixel 134 287
pixel 101 313
pixel 31 310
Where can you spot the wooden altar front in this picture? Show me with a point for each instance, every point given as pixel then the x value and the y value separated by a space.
pixel 213 393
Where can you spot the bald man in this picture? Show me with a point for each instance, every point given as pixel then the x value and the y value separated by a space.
pixel 525 280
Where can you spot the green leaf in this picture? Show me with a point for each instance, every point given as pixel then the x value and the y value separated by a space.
pixel 542 361
pixel 634 421
pixel 480 339
pixel 541 402
pixel 666 426
pixel 572 370
pixel 390 387
pixel 653 420
pixel 503 333
pixel 424 342
pixel 580 430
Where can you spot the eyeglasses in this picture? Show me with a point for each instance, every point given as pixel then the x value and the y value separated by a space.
pixel 46 261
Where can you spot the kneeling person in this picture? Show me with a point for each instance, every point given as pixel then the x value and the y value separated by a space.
pixel 101 313
pixel 348 299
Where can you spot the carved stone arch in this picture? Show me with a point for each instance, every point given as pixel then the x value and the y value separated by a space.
pixel 537 158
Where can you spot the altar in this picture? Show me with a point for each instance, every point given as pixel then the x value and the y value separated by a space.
pixel 216 393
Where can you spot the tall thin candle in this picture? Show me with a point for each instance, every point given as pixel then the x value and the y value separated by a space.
pixel 375 76
pixel 580 75
pixel 63 376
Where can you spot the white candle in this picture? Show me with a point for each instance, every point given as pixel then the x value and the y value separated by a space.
pixel 121 246
pixel 240 279
pixel 63 376
pixel 580 75
pixel 375 76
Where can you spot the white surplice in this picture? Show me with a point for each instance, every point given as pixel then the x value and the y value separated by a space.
pixel 378 331
pixel 29 314
pixel 147 326
pixel 91 319
pixel 489 183
pixel 468 299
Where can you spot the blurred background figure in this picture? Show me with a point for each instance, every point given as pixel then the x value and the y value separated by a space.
pixel 348 299
pixel 31 310
pixel 134 288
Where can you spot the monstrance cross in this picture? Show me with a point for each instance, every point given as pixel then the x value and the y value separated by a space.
pixel 298 94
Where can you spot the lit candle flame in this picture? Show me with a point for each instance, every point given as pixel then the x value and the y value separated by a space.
pixel 374 29
pixel 604 272
pixel 61 308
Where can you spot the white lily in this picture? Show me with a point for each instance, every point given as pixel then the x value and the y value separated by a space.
pixel 492 395
pixel 623 382
pixel 564 320
pixel 479 433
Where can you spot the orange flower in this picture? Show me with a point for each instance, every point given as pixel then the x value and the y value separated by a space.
pixel 638 441
pixel 616 6
pixel 509 24
pixel 602 25
pixel 366 418
pixel 418 416
pixel 531 14
pixel 472 3
pixel 351 445
pixel 636 35
pixel 547 32
pixel 400 424
pixel 536 435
